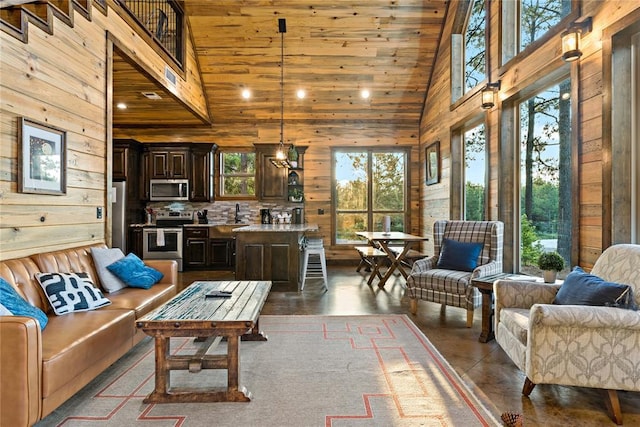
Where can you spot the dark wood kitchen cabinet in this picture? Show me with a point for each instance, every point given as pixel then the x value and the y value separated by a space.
pixel 168 163
pixel 273 181
pixel 222 254
pixel 202 171
pixel 196 242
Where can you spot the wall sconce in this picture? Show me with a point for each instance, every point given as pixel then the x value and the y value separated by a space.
pixel 489 95
pixel 571 39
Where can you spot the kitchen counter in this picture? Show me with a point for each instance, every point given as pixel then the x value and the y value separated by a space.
pixel 271 252
pixel 276 228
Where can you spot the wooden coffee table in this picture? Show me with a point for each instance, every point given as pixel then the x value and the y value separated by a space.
pixel 191 314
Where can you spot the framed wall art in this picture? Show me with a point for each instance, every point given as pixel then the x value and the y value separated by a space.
pixel 41 158
pixel 432 163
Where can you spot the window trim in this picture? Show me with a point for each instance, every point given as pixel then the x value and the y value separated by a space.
pixel 218 173
pixel 407 190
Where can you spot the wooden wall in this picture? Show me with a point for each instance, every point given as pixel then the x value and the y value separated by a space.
pixel 440 118
pixel 61 80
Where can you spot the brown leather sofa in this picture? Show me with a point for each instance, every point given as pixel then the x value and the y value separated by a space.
pixel 39 370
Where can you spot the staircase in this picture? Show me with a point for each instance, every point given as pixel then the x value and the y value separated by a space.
pixel 16 15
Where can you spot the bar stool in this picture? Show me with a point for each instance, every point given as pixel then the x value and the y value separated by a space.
pixel 314 263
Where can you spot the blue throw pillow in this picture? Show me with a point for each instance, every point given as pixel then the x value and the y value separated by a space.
pixel 134 272
pixel 18 306
pixel 460 256
pixel 580 288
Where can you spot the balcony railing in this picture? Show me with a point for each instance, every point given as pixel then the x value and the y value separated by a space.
pixel 163 20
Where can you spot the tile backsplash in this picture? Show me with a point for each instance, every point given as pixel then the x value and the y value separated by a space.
pixel 224 212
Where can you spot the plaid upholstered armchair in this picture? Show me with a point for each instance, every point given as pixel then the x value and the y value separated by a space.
pixel 463 250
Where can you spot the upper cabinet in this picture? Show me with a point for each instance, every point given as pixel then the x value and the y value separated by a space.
pixel 273 183
pixel 180 161
pixel 126 155
pixel 169 163
pixel 202 171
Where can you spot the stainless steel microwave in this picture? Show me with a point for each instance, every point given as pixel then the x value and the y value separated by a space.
pixel 169 189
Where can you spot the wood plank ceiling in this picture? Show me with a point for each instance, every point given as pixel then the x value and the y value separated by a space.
pixel 332 50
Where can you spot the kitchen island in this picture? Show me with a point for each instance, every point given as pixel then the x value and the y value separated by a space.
pixel 271 252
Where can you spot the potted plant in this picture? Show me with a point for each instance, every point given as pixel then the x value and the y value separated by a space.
pixel 550 263
pixel 296 194
pixel 293 156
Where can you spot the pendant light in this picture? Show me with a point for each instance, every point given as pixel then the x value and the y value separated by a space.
pixel 281 153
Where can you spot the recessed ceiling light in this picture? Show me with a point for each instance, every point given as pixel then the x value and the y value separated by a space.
pixel 121 106
pixel 364 93
pixel 246 93
pixel 301 93
pixel 151 95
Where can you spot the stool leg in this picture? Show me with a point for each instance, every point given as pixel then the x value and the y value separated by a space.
pixel 304 268
pixel 323 262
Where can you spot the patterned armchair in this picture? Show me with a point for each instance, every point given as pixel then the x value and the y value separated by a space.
pixel 574 345
pixel 452 287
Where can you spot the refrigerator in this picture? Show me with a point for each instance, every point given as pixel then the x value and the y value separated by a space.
pixel 119 223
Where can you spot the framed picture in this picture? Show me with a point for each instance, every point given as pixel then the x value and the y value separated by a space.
pixel 41 158
pixel 432 162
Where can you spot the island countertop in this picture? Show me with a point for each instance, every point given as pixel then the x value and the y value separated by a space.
pixel 276 228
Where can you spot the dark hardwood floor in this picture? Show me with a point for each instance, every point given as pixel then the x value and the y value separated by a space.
pixel 484 367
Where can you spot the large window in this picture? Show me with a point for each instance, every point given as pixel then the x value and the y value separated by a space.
pixel 546 209
pixel 468 48
pixel 526 21
pixel 237 174
pixel 475 46
pixel 368 185
pixel 475 171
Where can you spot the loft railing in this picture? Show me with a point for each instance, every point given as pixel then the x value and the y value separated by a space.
pixel 163 20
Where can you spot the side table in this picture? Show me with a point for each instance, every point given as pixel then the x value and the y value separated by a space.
pixel 485 286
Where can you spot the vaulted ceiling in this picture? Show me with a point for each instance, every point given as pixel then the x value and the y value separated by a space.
pixel 332 50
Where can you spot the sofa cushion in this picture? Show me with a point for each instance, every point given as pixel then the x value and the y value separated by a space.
pixel 142 301
pixel 103 257
pixel 135 273
pixel 580 288
pixel 516 320
pixel 76 342
pixel 17 305
pixel 455 255
pixel 69 292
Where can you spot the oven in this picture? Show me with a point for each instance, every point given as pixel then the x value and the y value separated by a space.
pixel 162 243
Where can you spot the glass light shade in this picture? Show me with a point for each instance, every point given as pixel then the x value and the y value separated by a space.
pixel 571 45
pixel 488 98
pixel 280 154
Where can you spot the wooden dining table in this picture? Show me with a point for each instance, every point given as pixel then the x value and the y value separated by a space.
pixel 383 241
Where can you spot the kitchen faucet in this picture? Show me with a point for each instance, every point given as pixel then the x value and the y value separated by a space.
pixel 237 213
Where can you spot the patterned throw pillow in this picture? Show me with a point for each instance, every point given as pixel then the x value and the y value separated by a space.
pixel 133 271
pixel 69 292
pixel 461 256
pixel 18 306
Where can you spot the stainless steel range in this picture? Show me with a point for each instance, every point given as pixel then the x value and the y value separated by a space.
pixel 164 241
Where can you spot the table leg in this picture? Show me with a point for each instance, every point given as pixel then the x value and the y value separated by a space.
pixel 487 315
pixel 234 393
pixel 163 377
pixel 256 334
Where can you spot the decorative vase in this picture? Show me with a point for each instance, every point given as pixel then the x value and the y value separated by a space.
pixel 549 276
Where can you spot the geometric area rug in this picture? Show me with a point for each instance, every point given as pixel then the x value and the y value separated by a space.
pixel 373 370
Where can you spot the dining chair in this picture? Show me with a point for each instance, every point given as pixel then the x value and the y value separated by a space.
pixel 462 250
